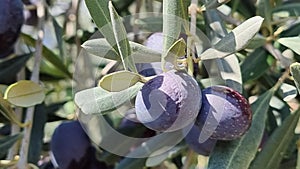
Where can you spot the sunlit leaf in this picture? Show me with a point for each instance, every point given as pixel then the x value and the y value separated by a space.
pixel 122 42
pixel 287 91
pixel 118 81
pixel 156 160
pixel 99 101
pixel 236 40
pixel 25 93
pixel 295 71
pixel 175 51
pixel 140 53
pixel 292 43
pixel 212 4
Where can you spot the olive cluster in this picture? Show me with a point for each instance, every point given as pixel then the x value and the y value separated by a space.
pixel 173 100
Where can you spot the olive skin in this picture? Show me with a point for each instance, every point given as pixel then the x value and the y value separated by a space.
pixel 168 102
pixel 191 138
pixel 71 148
pixel 11 19
pixel 225 114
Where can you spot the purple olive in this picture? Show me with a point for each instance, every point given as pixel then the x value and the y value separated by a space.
pixel 168 102
pixel 193 140
pixel 71 148
pixel 11 19
pixel 225 114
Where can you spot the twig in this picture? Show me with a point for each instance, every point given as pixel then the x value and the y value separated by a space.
pixel 22 164
pixel 190 157
pixel 190 43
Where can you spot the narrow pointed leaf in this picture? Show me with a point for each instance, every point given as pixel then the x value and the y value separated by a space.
pixel 175 51
pixel 171 25
pixel 119 81
pixel 273 151
pixel 239 153
pixel 122 42
pixel 49 55
pixel 7 142
pixel 140 53
pixel 100 14
pixel 236 40
pixel 292 43
pixel 295 71
pixel 11 67
pixel 25 93
pixel 99 101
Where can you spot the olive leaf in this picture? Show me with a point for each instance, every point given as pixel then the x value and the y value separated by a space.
pixel 272 153
pixel 255 65
pixel 295 71
pixel 291 42
pixel 292 9
pixel 99 101
pixel 49 55
pixel 101 16
pixel 156 160
pixel 171 26
pixel 24 93
pixel 236 40
pixel 140 53
pixel 239 153
pixel 121 39
pixel 212 4
pixel 175 51
pixel 7 142
pixel 118 81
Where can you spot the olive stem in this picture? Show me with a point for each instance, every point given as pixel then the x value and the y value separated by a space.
pixel 284 76
pixel 190 43
pixel 189 159
pixel 22 163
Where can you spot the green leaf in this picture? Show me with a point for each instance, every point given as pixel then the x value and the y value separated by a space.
pixel 291 42
pixel 295 71
pixel 175 51
pixel 118 81
pixel 121 39
pixel 7 142
pixel 156 160
pixel 99 101
pixel 273 151
pixel 49 55
pixel 290 9
pixel 236 40
pixel 212 4
pixel 287 91
pixel 11 67
pixel 130 163
pixel 150 23
pixel 239 153
pixel 25 93
pixel 264 9
pixel 100 14
pixel 171 25
pixel 255 65
pixel 140 53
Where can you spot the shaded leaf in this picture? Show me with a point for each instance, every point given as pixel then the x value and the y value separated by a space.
pixel 291 42
pixel 140 53
pixel 99 101
pixel 295 71
pixel 291 9
pixel 11 67
pixel 7 142
pixel 236 40
pixel 156 160
pixel 49 55
pixel 25 93
pixel 273 151
pixel 264 9
pixel 239 153
pixel 117 81
pixel 122 42
pixel 255 65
